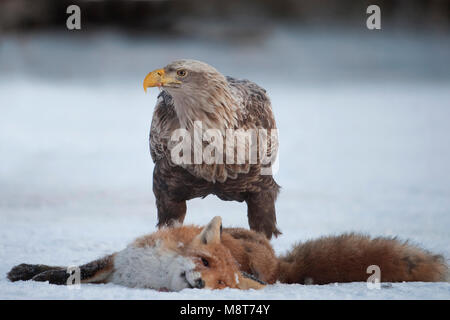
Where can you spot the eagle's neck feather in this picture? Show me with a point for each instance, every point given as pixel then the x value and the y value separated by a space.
pixel 215 107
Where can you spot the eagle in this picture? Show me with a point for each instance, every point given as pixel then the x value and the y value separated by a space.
pixel 199 107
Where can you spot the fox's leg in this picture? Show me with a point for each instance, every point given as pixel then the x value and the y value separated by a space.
pixel 28 271
pixel 92 272
pixel 169 210
pixel 261 213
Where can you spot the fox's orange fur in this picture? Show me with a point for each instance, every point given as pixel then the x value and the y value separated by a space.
pixel 191 256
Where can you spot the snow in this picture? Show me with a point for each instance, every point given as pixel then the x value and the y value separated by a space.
pixel 367 155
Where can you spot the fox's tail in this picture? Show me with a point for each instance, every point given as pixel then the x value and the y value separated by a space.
pixel 353 257
pixel 92 272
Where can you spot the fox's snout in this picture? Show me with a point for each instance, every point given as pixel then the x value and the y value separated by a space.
pixel 193 279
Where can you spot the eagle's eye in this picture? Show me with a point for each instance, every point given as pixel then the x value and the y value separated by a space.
pixel 181 73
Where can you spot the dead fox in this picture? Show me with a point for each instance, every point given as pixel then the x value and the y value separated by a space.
pixel 211 257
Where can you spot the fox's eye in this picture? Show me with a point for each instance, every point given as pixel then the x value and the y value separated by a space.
pixel 181 73
pixel 221 282
pixel 205 262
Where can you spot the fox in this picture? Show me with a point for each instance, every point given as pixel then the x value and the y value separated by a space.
pixel 189 256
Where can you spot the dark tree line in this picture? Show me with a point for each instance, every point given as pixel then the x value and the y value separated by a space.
pixel 174 15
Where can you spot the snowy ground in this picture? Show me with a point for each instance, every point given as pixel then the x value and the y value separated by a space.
pixel 357 155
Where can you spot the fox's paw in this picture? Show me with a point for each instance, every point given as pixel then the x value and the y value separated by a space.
pixel 25 271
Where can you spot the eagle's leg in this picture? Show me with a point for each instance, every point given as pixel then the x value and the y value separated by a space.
pixel 170 211
pixel 261 213
pixel 170 201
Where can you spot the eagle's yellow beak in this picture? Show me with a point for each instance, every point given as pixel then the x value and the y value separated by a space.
pixel 158 78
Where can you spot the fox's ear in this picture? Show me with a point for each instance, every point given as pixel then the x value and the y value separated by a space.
pixel 211 233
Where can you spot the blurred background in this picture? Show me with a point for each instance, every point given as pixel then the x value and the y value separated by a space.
pixel 308 40
pixel 174 16
pixel 363 117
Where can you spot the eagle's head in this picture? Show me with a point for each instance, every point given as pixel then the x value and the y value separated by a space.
pixel 199 93
pixel 182 75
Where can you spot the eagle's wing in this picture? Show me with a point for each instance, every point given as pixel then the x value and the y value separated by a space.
pixel 255 105
pixel 164 121
pixel 256 113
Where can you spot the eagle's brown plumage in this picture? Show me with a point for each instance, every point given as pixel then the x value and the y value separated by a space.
pixel 194 91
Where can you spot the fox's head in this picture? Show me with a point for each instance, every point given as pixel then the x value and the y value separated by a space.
pixel 214 263
pixel 181 257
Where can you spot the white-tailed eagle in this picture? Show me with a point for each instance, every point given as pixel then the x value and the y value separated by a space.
pixel 198 101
